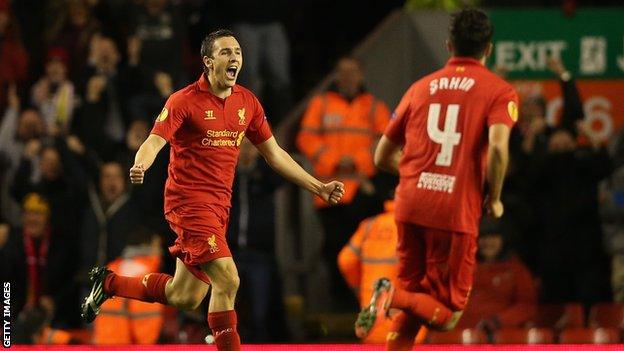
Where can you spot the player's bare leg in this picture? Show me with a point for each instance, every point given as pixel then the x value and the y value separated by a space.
pixel 221 315
pixel 183 291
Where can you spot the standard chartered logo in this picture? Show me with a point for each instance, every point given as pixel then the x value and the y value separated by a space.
pixel 223 138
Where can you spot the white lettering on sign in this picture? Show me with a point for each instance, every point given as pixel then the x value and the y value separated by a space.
pixel 593 55
pixel 597 110
pixel 620 60
pixel 532 55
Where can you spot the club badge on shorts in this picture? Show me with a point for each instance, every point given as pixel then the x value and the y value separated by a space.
pixel 212 242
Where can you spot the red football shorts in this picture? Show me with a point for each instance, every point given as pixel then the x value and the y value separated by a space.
pixel 201 238
pixel 436 262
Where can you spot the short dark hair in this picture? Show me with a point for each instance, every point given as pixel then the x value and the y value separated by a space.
pixel 470 32
pixel 208 42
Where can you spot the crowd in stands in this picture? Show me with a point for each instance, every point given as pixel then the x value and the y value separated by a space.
pixel 77 102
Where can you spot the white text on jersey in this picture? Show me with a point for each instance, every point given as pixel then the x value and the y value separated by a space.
pixel 454 83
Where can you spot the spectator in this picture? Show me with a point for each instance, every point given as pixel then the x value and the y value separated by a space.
pixel 149 196
pixel 73 30
pixel 338 134
pixel 572 263
pixel 369 256
pixel 612 215
pixel 251 236
pixel 125 321
pixel 260 29
pixel 18 129
pixel 110 219
pixel 55 172
pixel 504 293
pixel 14 59
pixel 159 29
pixel 529 139
pixel 38 262
pixel 101 121
pixel 53 94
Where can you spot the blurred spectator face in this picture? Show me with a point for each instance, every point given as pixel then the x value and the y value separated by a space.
pixel 490 246
pixel 56 71
pixel 138 132
pixel 561 141
pixel 104 53
pixel 112 181
pixel 78 13
pixel 533 107
pixel 50 164
pixel 154 7
pixel 30 125
pixel 349 77
pixel 36 212
pixel 4 21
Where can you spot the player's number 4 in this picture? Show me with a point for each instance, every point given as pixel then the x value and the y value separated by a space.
pixel 448 138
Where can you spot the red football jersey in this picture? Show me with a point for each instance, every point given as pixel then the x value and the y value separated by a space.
pixel 205 133
pixel 442 123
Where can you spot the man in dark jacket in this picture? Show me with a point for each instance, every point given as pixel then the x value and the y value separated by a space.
pixel 110 219
pixel 251 235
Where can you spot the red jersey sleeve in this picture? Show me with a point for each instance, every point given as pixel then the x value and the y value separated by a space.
pixel 170 118
pixel 396 128
pixel 259 129
pixel 504 108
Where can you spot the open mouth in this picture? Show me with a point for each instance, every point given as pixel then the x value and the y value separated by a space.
pixel 231 71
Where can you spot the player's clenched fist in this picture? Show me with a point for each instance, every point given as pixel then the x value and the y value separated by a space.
pixel 332 192
pixel 494 208
pixel 137 172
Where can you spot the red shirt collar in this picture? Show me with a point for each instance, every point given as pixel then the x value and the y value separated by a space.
pixel 204 85
pixel 457 60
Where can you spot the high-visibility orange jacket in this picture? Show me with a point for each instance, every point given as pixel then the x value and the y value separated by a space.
pixel 125 321
pixel 333 128
pixel 54 337
pixel 369 255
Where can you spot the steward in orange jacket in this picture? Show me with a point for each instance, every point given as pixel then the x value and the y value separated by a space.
pixel 125 321
pixel 370 255
pixel 339 131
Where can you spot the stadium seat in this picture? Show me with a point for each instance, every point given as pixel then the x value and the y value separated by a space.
pixel 524 336
pixel 571 315
pixel 589 336
pixel 607 315
pixel 458 336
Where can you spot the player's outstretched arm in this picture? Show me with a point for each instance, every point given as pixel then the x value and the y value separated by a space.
pixel 497 158
pixel 283 164
pixel 387 155
pixel 145 156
